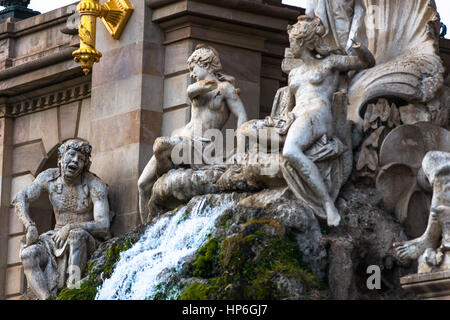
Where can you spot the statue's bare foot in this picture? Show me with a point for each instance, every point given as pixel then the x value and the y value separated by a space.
pixel 411 249
pixel 333 217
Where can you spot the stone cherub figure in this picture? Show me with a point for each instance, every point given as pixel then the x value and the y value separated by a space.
pixel 80 203
pixel 432 249
pixel 313 80
pixel 213 97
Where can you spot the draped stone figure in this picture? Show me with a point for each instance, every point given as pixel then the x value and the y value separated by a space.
pixel 343 21
pixel 307 128
pixel 80 204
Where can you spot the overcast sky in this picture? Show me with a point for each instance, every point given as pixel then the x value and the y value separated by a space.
pixel 48 5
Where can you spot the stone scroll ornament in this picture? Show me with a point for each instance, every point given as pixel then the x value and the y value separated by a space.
pixel 58 258
pixel 432 249
pixel 407 84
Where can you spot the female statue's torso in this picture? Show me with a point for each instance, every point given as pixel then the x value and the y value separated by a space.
pixel 313 87
pixel 209 111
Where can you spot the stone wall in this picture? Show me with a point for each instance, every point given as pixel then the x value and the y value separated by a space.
pixel 44 100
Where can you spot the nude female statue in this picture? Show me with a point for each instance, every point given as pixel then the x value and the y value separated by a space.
pixel 312 82
pixel 213 97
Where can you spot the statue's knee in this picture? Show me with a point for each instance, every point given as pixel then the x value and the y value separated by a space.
pixel 288 153
pixel 159 145
pixel 77 237
pixel 141 183
pixel 28 255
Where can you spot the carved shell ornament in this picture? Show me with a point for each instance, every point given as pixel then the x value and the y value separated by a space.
pixel 403 37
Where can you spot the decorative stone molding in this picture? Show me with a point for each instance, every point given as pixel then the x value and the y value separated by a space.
pixel 47 101
pixel 2 110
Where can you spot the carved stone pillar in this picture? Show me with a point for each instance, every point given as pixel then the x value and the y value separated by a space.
pixel 126 108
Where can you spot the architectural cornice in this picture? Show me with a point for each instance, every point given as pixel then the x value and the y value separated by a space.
pixel 45 101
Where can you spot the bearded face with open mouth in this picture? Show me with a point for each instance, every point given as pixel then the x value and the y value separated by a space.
pixel 73 163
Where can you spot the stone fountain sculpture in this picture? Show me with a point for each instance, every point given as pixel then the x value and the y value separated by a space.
pixel 307 128
pixel 80 202
pixel 328 51
pixel 406 85
pixel 348 63
pixel 309 123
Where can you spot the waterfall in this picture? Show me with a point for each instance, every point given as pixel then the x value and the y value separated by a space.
pixel 163 247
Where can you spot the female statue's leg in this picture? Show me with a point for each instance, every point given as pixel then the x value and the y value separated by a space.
pixel 302 134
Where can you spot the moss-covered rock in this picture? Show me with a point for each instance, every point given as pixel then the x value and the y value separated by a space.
pixel 262 261
pixel 100 267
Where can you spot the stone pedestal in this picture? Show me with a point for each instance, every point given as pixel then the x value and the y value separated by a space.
pixel 428 286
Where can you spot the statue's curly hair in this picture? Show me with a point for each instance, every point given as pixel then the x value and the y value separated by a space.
pixel 310 30
pixel 206 57
pixel 78 145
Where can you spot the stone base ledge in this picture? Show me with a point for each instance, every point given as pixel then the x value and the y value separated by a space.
pixel 428 286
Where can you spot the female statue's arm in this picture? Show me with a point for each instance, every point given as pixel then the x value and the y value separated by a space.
pixel 235 104
pixel 362 59
pixel 201 87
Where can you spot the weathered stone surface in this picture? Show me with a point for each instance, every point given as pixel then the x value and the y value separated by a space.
pixel 80 204
pixel 15 226
pixel 364 239
pixel 428 286
pixel 431 249
pixel 84 128
pixel 401 182
pixel 28 158
pixel 14 249
pixel 15 279
pixel 213 97
pixel 68 120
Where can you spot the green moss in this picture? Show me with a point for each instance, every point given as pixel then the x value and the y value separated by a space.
pixel 206 259
pixel 275 224
pixel 248 265
pixel 225 219
pixel 198 291
pixel 87 291
pixel 96 274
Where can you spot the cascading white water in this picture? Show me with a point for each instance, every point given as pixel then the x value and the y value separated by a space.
pixel 163 247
